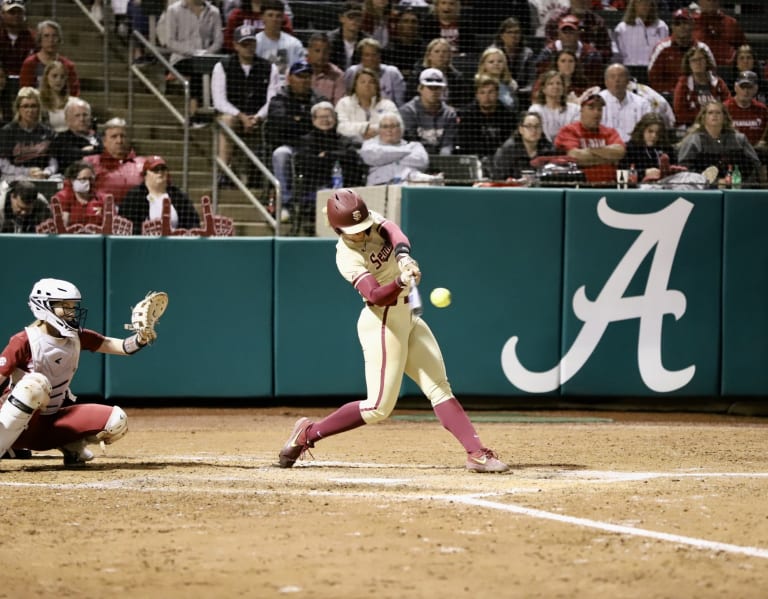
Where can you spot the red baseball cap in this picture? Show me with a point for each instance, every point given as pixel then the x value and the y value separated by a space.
pixel 152 162
pixel 569 22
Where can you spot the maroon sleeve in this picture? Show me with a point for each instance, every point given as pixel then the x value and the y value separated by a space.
pixel 17 354
pixel 27 72
pixel 90 340
pixel 379 295
pixel 397 238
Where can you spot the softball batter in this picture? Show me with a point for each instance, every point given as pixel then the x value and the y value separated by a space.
pixel 373 254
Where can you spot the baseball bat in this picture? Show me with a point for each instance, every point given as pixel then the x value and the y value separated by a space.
pixel 414 299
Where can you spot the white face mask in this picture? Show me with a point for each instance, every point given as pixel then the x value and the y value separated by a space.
pixel 81 186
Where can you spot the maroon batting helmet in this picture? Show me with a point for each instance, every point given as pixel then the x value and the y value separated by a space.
pixel 347 212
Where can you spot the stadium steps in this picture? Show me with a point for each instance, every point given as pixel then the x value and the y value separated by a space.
pixel 153 130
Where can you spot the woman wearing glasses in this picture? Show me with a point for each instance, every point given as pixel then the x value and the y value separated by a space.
pixel 698 83
pixel 527 143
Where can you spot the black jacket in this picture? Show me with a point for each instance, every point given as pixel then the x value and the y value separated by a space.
pixel 249 93
pixel 317 151
pixel 288 117
pixel 135 208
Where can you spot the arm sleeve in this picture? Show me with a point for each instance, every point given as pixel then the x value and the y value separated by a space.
pixel 219 91
pixel 274 87
pixel 397 238
pixel 379 295
pixel 90 340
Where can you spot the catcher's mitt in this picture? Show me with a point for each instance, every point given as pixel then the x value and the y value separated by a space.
pixel 145 314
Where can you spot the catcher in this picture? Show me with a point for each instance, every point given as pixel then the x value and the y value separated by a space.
pixel 41 361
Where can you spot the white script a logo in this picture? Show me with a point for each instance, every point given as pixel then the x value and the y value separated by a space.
pixel 661 230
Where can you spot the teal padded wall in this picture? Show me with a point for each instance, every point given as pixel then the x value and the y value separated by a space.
pixel 499 251
pixel 317 351
pixel 745 293
pixel 75 258
pixel 215 340
pixel 679 252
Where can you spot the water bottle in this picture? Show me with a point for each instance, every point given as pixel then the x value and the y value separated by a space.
pixel 337 177
pixel 632 177
pixel 729 177
pixel 414 299
pixel 736 177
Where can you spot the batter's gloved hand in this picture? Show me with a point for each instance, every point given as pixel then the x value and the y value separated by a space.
pixel 145 314
pixel 404 261
pixel 408 274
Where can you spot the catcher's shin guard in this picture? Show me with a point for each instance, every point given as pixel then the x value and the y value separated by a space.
pixel 115 428
pixel 30 394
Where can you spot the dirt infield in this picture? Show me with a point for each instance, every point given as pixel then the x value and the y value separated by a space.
pixel 190 505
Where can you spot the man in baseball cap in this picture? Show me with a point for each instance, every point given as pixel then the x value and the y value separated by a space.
pixel 17 40
pixel 245 33
pixel 595 147
pixel 432 78
pixel 749 115
pixel 428 118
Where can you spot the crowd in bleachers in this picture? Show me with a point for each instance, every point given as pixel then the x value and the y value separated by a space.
pixel 380 86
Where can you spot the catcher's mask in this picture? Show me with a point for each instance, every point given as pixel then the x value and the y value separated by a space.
pixel 47 295
pixel 347 212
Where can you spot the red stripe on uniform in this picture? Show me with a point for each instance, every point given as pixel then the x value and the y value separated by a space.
pixel 383 360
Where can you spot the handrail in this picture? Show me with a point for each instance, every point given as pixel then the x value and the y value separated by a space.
pixel 181 118
pixel 104 31
pixel 218 163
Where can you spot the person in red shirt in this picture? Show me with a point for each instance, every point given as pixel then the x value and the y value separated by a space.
pixel 117 168
pixel 697 85
pixel 722 33
pixel 596 148
pixel 48 42
pixel 667 56
pixel 17 40
pixel 80 204
pixel 748 115
pixel 592 27
pixel 250 15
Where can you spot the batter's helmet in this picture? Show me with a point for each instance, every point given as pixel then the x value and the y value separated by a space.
pixel 347 212
pixel 46 293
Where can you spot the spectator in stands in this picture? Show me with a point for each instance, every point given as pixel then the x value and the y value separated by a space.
pixel 542 11
pixel 427 118
pixel 488 18
pixel 139 13
pixel 552 105
pixel 80 203
pixel 145 201
pixel 273 44
pixel 48 42
pixel 391 82
pixel 493 62
pixel 117 168
pixel 79 140
pixel 319 150
pixel 747 114
pixel 712 141
pixel 54 95
pixel 25 142
pixel 658 102
pixel 189 28
pixel 721 32
pixel 438 55
pixel 359 111
pixel 591 26
pixel 406 46
pixel 698 84
pixel 747 61
pixel 344 39
pixel 649 149
pixel 249 15
pixel 595 148
pixel 521 59
pixel 241 86
pixel 484 124
pixel 667 56
pixel 448 22
pixel 378 20
pixel 567 64
pixel 392 159
pixel 289 117
pixel 22 208
pixel 527 143
pixel 639 32
pixel 327 78
pixel 588 57
pixel 623 109
pixel 17 40
pixel 6 99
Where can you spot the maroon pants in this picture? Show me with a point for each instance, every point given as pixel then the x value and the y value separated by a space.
pixel 65 426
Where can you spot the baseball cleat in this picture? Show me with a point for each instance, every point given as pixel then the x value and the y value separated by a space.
pixel 17 454
pixel 485 460
pixel 76 455
pixel 297 443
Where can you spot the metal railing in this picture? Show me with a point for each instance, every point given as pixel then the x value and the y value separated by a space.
pixel 218 163
pixel 183 119
pixel 104 31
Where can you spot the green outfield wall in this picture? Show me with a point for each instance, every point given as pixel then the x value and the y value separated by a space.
pixel 573 293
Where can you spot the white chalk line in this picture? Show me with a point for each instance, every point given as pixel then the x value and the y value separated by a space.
pixel 473 499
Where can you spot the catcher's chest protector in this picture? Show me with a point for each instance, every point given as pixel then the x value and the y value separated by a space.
pixel 56 358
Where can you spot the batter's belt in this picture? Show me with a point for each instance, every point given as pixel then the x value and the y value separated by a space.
pixel 397 301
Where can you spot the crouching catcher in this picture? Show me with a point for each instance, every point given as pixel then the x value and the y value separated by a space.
pixel 41 361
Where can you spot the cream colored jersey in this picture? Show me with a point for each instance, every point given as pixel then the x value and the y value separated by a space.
pixel 374 256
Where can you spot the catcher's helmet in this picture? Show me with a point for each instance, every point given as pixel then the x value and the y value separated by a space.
pixel 347 212
pixel 46 293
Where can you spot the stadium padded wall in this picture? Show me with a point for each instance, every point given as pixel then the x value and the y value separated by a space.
pixel 579 293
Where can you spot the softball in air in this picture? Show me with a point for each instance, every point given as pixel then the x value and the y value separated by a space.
pixel 440 297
